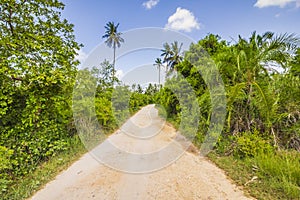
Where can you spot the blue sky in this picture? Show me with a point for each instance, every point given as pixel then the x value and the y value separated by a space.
pixel 195 18
pixel 226 18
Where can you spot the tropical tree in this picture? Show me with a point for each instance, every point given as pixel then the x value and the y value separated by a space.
pixel 37 75
pixel 113 39
pixel 176 57
pixel 172 54
pixel 259 98
pixel 166 53
pixel 158 63
pixel 253 100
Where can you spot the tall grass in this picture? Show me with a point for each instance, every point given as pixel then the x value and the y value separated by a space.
pixel 277 175
pixel 280 172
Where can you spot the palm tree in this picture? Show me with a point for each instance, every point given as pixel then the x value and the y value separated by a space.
pixel 113 39
pixel 176 54
pixel 158 63
pixel 253 58
pixel 172 54
pixel 166 53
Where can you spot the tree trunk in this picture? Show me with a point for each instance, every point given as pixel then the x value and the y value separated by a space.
pixel 159 75
pixel 114 61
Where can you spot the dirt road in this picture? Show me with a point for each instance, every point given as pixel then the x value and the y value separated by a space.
pixel 148 161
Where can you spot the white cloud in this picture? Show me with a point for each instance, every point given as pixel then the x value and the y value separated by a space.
pixel 150 4
pixel 182 20
pixel 280 3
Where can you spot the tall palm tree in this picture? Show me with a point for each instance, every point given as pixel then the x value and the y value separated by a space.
pixel 158 63
pixel 113 39
pixel 166 53
pixel 172 54
pixel 176 54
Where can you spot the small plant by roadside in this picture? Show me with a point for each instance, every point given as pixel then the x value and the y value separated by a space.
pixel 253 163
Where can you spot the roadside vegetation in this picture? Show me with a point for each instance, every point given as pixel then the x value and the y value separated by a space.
pixel 38 72
pixel 259 146
pixel 260 141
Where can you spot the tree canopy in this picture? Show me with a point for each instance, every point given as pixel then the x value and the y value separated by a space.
pixel 37 71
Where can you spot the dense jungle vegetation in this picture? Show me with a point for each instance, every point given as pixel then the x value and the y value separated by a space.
pixel 38 70
pixel 260 141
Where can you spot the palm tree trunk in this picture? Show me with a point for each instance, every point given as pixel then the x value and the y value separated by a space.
pixel 167 70
pixel 114 62
pixel 159 75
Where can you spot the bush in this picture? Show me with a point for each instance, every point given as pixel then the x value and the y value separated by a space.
pixel 250 144
pixel 5 164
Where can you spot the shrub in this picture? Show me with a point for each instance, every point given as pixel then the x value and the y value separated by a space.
pixel 5 164
pixel 249 144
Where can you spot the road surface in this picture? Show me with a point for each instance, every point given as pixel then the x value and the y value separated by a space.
pixel 144 159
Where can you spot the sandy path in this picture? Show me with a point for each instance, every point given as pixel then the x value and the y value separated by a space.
pixel 147 148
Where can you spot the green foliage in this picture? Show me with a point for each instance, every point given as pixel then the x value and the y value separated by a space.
pixel 258 97
pixel 37 72
pixel 101 103
pixel 5 164
pixel 172 55
pixel 281 170
pixel 251 144
pixel 23 187
pixel 276 174
pixel 5 155
pixel 263 107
